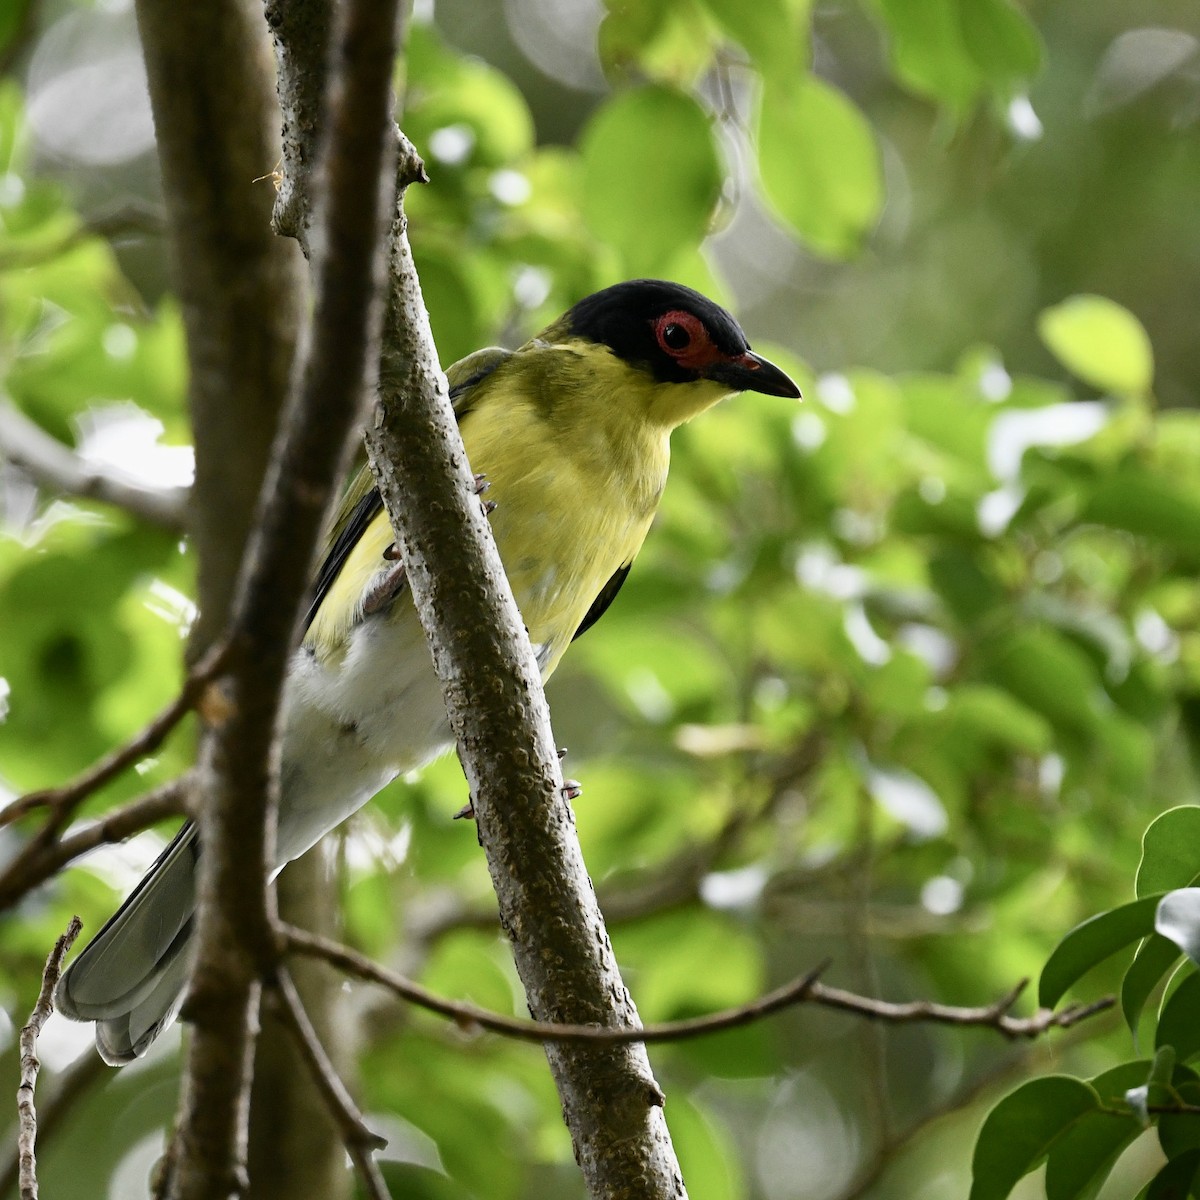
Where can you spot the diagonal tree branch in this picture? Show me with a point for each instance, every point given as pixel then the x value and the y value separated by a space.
pixel 63 801
pixel 498 712
pixel 39 860
pixel 47 461
pixel 359 1141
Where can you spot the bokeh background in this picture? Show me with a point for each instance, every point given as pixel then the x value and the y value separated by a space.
pixel 904 671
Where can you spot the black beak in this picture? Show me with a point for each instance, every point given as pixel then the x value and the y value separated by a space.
pixel 750 372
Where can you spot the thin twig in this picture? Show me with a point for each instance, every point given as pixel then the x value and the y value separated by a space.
pixel 469 1016
pixel 38 860
pixel 805 990
pixel 63 801
pixel 360 1141
pixel 49 462
pixel 73 1085
pixel 26 1113
pixel 992 1016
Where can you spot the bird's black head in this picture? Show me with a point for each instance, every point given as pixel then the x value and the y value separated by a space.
pixel 676 334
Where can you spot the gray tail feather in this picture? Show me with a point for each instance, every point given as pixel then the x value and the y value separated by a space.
pixel 130 977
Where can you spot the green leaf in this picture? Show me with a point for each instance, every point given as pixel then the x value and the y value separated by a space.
pixel 927 50
pixel 1175 1181
pixel 706 1153
pixel 1148 504
pixel 1091 943
pixel 819 163
pixel 1049 673
pixel 652 175
pixel 1101 342
pixel 1000 40
pixel 996 716
pixel 1170 851
pixel 1081 1159
pixel 1178 919
pixel 1021 1130
pixel 1179 1021
pixel 1180 1132
pixel 1151 962
pixel 770 31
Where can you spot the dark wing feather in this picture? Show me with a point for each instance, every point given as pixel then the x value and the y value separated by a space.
pixel 607 595
pixel 350 529
pixel 362 502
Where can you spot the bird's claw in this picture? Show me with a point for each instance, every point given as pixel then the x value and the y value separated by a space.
pixel 571 789
pixel 482 483
pixel 388 586
pixel 466 813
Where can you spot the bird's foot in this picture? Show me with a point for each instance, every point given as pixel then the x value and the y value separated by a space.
pixel 571 789
pixel 482 483
pixel 388 586
pixel 466 813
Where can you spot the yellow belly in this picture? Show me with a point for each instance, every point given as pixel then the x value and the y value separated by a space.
pixel 571 508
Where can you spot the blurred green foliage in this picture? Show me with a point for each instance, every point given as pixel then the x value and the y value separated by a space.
pixel 904 672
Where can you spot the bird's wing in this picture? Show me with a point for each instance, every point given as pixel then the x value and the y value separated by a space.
pixel 362 503
pixel 466 374
pixel 607 594
pixel 353 517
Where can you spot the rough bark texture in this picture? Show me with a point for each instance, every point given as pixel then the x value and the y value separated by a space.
pixel 300 30
pixel 493 691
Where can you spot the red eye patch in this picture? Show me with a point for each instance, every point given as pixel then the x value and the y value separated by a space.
pixel 684 337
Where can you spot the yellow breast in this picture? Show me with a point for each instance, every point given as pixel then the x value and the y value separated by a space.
pixel 576 483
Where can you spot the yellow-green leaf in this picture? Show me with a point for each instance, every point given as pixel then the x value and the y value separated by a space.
pixel 1101 342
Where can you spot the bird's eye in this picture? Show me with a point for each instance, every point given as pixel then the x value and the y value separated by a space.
pixel 675 337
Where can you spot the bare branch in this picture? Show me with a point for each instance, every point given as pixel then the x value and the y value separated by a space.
pixel 26 1113
pixel 497 710
pixel 301 33
pixel 73 1085
pixel 805 990
pixel 359 1140
pixel 992 1016
pixel 236 777
pixel 295 1148
pixel 470 1016
pixel 47 461
pixel 63 801
pixel 38 860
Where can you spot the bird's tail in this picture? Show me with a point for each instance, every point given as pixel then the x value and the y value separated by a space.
pixel 130 978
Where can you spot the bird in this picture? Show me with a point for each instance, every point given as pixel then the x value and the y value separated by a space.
pixel 572 433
